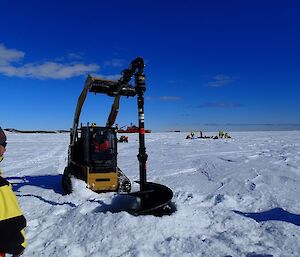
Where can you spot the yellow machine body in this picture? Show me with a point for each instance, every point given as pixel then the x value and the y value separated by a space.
pixel 107 181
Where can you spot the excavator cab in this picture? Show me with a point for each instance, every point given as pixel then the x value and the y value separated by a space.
pixel 93 158
pixel 100 147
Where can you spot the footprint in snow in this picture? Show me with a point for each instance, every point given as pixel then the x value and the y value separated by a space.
pixel 251 186
pixel 219 198
pixel 184 196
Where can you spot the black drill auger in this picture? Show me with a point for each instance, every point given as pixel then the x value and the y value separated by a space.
pixel 154 198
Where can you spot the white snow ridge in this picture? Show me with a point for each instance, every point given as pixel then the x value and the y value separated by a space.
pixel 234 197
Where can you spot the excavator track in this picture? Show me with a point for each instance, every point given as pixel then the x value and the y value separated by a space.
pixel 124 182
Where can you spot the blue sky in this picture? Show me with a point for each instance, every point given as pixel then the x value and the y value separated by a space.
pixel 210 65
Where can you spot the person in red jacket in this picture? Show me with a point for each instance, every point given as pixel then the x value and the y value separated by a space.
pixel 101 143
pixel 12 221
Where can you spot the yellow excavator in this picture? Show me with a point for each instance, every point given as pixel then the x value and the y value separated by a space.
pixel 92 154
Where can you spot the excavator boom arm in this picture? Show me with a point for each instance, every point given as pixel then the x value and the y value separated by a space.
pixel 80 102
pixel 113 112
pixel 111 88
pixel 136 65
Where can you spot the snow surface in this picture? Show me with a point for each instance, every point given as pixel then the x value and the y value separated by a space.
pixel 234 197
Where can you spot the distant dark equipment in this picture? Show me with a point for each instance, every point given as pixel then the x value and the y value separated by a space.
pixel 131 129
pixel 123 139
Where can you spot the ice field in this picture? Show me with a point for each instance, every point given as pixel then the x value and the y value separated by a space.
pixel 234 197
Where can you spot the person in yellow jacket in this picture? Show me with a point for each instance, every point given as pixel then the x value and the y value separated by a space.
pixel 12 221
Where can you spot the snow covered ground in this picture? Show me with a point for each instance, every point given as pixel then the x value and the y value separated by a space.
pixel 235 197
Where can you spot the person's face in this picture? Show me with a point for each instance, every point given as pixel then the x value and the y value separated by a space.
pixel 2 150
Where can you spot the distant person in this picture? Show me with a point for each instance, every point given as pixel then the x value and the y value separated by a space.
pixel 123 139
pixel 12 221
pixel 188 136
pixel 221 134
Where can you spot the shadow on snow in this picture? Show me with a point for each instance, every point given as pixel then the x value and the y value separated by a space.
pixel 47 201
pixel 274 214
pixel 254 255
pixel 119 203
pixel 51 182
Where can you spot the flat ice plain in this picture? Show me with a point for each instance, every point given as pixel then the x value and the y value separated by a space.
pixel 234 197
